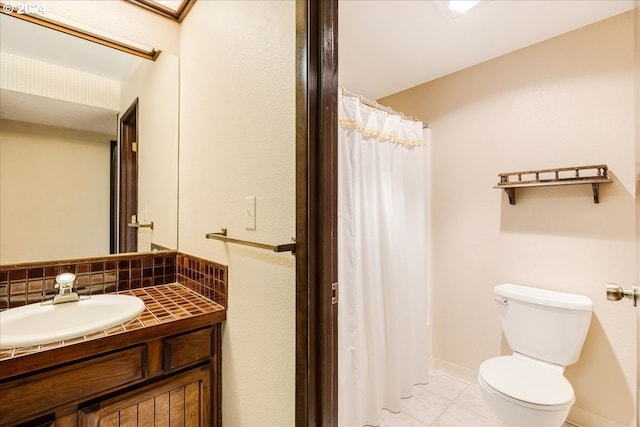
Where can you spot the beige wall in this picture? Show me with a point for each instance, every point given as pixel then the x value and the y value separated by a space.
pixel 54 192
pixel 568 101
pixel 156 86
pixel 237 136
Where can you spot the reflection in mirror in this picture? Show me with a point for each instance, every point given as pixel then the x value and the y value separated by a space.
pixel 61 101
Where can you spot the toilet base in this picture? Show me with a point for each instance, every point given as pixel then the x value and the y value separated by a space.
pixel 503 423
pixel 512 415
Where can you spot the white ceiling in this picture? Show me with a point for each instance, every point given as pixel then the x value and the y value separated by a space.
pixel 24 107
pixel 385 46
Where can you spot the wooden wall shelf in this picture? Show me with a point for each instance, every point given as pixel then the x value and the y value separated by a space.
pixel 594 175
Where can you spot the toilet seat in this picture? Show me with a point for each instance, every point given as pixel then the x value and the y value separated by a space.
pixel 526 383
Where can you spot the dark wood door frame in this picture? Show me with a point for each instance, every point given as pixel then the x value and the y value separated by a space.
pixel 113 197
pixel 128 236
pixel 316 212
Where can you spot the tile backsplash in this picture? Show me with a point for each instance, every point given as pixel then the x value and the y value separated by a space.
pixel 27 283
pixel 202 276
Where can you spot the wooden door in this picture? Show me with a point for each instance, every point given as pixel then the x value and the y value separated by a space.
pixel 128 236
pixel 180 401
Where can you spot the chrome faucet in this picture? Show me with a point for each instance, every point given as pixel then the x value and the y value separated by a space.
pixel 66 290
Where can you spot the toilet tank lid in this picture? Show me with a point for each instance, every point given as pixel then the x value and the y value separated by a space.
pixel 544 297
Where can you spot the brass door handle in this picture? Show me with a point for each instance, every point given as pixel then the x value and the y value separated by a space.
pixel 616 293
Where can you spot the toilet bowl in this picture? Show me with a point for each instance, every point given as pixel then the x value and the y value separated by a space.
pixel 546 331
pixel 525 393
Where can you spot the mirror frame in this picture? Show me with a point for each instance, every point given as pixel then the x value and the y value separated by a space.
pixel 149 53
pixel 175 15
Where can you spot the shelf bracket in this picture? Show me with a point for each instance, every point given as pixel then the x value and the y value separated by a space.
pixel 511 193
pixel 596 192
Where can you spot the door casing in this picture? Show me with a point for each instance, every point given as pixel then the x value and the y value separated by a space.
pixel 316 213
pixel 128 198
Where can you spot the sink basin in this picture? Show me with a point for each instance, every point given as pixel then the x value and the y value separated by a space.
pixel 35 324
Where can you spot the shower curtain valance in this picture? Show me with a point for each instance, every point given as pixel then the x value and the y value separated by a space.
pixel 371 122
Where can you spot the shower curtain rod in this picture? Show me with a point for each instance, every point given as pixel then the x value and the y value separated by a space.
pixel 381 107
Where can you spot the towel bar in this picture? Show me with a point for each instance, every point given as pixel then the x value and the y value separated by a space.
pixel 222 236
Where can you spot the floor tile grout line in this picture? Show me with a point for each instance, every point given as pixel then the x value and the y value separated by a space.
pixel 467 407
pixel 442 413
pixel 450 402
pixel 466 386
pixel 453 401
pixel 409 416
pixel 414 418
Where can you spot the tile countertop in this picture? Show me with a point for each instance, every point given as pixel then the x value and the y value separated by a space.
pixel 163 304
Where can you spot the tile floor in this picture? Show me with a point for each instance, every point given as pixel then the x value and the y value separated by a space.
pixel 444 401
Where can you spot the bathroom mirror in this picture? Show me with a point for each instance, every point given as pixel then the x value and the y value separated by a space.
pixel 62 100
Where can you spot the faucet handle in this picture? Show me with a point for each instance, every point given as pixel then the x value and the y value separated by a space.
pixel 65 280
pixel 65 283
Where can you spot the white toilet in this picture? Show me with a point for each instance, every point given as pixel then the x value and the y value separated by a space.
pixel 546 331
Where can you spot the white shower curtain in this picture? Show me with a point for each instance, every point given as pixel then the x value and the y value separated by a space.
pixel 383 312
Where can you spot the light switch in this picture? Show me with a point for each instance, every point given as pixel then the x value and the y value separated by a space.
pixel 250 212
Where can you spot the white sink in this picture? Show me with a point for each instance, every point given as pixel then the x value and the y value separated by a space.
pixel 35 324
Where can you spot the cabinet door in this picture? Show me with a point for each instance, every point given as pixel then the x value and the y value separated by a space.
pixel 182 400
pixel 39 394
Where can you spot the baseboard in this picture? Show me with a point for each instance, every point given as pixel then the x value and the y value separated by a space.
pixel 583 418
pixel 456 371
pixel 430 366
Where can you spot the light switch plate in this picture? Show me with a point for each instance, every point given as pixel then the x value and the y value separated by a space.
pixel 250 212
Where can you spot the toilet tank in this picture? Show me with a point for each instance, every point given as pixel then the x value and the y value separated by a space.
pixel 547 325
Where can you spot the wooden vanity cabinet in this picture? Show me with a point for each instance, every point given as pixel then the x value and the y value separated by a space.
pixel 182 400
pixel 41 393
pixel 170 379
